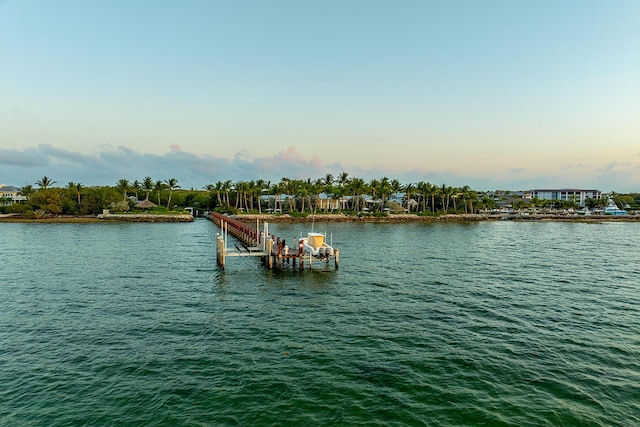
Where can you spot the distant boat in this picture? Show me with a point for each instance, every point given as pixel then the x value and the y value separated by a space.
pixel 613 209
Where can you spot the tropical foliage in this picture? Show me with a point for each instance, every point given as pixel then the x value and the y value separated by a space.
pixel 341 193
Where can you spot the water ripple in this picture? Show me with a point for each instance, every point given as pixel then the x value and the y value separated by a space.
pixel 424 324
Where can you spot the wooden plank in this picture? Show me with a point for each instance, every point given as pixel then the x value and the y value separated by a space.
pixel 236 253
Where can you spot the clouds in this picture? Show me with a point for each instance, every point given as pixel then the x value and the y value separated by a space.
pixel 108 164
pixel 25 158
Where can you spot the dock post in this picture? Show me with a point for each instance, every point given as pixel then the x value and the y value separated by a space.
pixel 337 257
pixel 220 252
pixel 270 253
pixel 279 259
pixel 301 254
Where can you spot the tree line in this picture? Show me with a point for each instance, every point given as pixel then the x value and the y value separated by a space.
pixel 346 194
pixel 43 197
pixel 341 193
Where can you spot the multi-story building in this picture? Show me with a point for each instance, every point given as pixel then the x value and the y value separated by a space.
pixel 566 195
pixel 9 195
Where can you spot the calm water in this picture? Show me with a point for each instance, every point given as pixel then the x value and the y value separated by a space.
pixel 495 323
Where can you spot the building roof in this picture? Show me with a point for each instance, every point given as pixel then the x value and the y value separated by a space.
pixel 145 204
pixel 563 190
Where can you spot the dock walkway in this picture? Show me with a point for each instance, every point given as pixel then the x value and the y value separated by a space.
pixel 272 250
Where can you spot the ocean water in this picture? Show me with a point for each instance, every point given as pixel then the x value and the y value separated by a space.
pixel 491 323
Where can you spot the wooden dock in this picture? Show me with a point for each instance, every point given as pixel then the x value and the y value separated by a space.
pixel 272 250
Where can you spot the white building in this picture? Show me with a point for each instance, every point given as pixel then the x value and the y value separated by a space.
pixel 567 195
pixel 9 195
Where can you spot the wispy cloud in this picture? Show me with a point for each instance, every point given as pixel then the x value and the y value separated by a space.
pixel 110 164
pixel 25 158
pixel 105 166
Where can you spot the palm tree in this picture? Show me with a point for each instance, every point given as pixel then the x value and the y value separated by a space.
pixel 238 187
pixel 490 202
pixel 252 191
pixel 158 187
pixel 137 185
pixel 455 193
pixel 395 188
pixel 226 187
pixel 284 187
pixel 421 190
pixel 147 184
pixel 328 179
pixel 446 193
pixel 428 191
pixel 76 187
pixel 328 184
pixel 358 187
pixel 268 191
pixel 302 191
pixel 408 189
pixel 386 189
pixel 172 183
pixel 122 185
pixel 277 191
pixel 343 179
pixel 45 182
pixel 245 189
pixel 219 189
pixel 260 187
pixel 432 191
pixel 27 191
pixel 338 193
pixel 374 188
pixel 469 196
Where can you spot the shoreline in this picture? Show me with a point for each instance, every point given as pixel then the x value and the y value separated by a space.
pixel 93 219
pixel 410 218
pixel 286 218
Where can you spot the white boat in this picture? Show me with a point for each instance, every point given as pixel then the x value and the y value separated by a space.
pixel 315 245
pixel 613 209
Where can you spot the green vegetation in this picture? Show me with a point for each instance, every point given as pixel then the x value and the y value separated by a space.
pixel 76 199
pixel 329 194
pixel 627 201
pixel 342 195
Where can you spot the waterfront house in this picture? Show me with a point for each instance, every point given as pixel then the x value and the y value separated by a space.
pixel 10 195
pixel 325 203
pixel 566 195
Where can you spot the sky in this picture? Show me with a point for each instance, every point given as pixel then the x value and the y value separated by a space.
pixel 494 94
